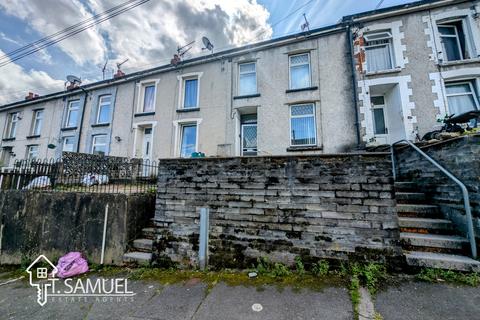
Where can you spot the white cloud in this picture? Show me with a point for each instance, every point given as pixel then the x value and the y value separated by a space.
pixel 18 82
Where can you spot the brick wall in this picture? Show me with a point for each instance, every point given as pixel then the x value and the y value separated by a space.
pixel 461 156
pixel 332 206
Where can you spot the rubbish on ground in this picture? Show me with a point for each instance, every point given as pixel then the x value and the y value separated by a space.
pixel 71 264
pixel 38 183
pixel 91 179
pixel 252 275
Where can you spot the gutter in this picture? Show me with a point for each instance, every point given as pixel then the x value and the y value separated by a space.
pixel 354 82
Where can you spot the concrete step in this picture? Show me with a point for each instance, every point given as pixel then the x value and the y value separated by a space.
pixel 418 210
pixel 143 244
pixel 143 258
pixel 149 233
pixel 425 225
pixel 410 197
pixel 433 241
pixel 442 261
pixel 405 186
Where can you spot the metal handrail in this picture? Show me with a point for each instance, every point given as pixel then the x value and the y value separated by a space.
pixel 466 198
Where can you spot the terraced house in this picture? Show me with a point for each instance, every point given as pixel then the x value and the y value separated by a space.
pixel 374 78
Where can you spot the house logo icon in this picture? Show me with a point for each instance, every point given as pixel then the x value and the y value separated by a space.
pixel 38 273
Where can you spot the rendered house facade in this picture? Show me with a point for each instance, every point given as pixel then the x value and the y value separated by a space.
pixel 374 78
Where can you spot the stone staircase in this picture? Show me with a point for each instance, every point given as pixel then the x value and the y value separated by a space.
pixel 142 249
pixel 429 240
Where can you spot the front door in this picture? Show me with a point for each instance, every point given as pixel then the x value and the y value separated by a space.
pixel 249 139
pixel 380 128
pixel 146 150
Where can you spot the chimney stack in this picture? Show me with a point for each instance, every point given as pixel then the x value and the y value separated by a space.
pixel 31 96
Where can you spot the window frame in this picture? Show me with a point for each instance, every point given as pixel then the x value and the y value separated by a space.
pixel 445 24
pixel 314 114
pixel 290 56
pixel 383 107
pixel 94 137
pixel 182 126
pixel 184 86
pixel 472 92
pixel 69 111
pixel 144 91
pixel 389 46
pixel 64 139
pixel 35 122
pixel 240 73
pixel 12 123
pixel 99 108
pixel 29 149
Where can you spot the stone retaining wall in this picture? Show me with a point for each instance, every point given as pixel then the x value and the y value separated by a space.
pixel 329 206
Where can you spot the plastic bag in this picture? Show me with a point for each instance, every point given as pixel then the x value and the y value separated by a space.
pixel 71 264
pixel 91 179
pixel 38 183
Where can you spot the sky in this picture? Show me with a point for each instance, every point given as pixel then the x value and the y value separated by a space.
pixel 147 35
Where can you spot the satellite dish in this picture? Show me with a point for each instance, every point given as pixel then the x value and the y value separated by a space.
pixel 73 79
pixel 208 45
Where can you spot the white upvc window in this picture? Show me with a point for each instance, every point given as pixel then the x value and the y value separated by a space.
pixel 188 139
pixel 299 66
pixel 32 152
pixel 190 93
pixel 461 97
pixel 104 109
pixel 73 111
pixel 303 130
pixel 149 98
pixel 12 123
pixel 99 144
pixel 68 144
pixel 379 51
pixel 247 78
pixel 455 39
pixel 37 122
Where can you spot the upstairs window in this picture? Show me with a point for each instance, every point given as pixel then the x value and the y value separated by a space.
pixel 190 94
pixel 99 144
pixel 461 97
pixel 300 71
pixel 378 51
pixel 104 107
pixel 247 82
pixel 11 128
pixel 454 40
pixel 37 122
pixel 149 98
pixel 73 110
pixel 302 125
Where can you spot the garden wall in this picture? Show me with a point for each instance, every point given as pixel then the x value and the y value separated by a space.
pixel 54 223
pixel 326 206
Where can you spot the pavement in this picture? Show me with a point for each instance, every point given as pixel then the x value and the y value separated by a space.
pixel 406 300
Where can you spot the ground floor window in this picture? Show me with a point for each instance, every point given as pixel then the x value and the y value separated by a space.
pixel 99 144
pixel 302 125
pixel 68 144
pixel 32 152
pixel 461 97
pixel 188 140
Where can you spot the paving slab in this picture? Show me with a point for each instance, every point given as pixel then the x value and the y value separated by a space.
pixel 427 301
pixel 231 303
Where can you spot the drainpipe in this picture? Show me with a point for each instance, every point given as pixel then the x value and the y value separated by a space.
pixel 354 81
pixel 81 119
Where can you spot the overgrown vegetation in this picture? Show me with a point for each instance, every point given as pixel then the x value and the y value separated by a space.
pixel 439 275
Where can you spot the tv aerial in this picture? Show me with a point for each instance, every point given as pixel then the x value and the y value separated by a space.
pixel 306 25
pixel 104 68
pixel 120 64
pixel 208 45
pixel 181 51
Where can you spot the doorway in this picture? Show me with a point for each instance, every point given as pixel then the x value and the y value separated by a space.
pixel 146 150
pixel 380 127
pixel 248 134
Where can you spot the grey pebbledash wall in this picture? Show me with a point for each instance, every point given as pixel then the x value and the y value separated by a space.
pixel 325 206
pixel 54 223
pixel 461 156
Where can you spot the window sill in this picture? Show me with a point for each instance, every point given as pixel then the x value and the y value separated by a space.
pixel 188 110
pixel 304 148
pixel 256 95
pixel 8 139
pixel 144 114
pixel 458 62
pixel 302 89
pixel 96 125
pixel 374 73
pixel 68 129
pixel 33 136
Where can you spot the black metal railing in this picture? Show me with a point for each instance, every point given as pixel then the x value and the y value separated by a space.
pixel 100 174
